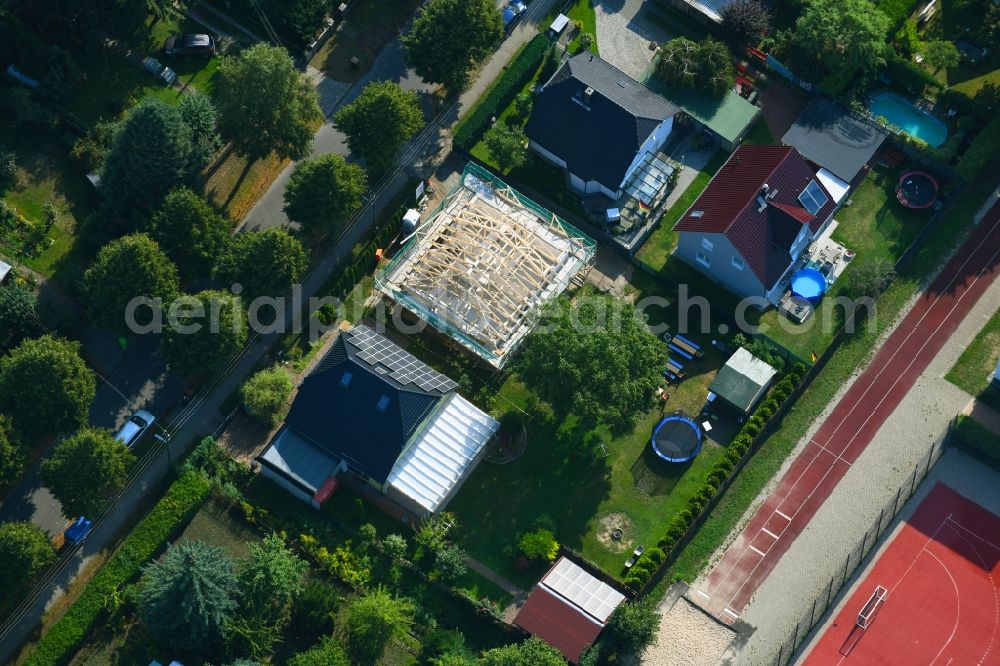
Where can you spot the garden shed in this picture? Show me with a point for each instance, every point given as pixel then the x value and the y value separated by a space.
pixel 742 381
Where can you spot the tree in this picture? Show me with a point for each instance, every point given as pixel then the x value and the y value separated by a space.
pixel 450 37
pixel 26 552
pixel 271 580
pixel 450 564
pixel 204 332
pixel 870 277
pixel 314 613
pixel 432 535
pixel 373 620
pixel 150 155
pixel 199 114
pixel 45 387
pixel 841 37
pixel 596 358
pixel 532 652
pixel 633 626
pixel 85 470
pixel 539 545
pixel 18 312
pixel 508 146
pixel 745 22
pixel 186 596
pixel 264 263
pixel 327 653
pixel 379 121
pixel 705 65
pixel 125 269
pixel 265 104
pixel 266 393
pixel 190 231
pixel 323 192
pixel 523 104
pixel 940 53
pixel 11 455
pixel 8 169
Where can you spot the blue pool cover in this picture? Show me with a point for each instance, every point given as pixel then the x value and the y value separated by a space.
pixel 808 283
pixel 676 439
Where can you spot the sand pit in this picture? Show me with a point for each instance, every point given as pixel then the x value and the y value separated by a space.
pixel 688 637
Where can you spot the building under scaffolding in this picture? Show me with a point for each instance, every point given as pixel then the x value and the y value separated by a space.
pixel 483 262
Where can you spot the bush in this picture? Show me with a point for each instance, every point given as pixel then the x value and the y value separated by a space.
pixel 518 73
pixel 909 75
pixel 313 612
pixel 8 169
pixel 266 393
pixel 180 502
pixel 539 545
pixel 897 10
pixel 980 151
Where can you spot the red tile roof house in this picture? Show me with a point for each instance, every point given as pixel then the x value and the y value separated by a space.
pixel 749 227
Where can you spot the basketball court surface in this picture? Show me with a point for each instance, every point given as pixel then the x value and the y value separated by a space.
pixel 932 596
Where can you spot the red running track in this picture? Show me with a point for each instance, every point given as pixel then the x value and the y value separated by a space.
pixel 853 422
pixel 942 574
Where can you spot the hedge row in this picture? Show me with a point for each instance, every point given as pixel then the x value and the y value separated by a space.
pixel 519 71
pixel 654 558
pixel 364 261
pixel 897 11
pixel 980 151
pixel 184 497
pixel 910 75
pixel 978 441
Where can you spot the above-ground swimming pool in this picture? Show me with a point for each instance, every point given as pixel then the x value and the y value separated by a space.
pixel 676 439
pixel 909 118
pixel 917 189
pixel 809 283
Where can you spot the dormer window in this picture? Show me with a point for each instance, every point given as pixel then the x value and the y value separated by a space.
pixel 345 379
pixel 813 197
pixel 383 403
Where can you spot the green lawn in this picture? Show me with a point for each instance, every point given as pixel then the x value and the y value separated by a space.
pixel 369 25
pixel 961 19
pixel 875 225
pixel 656 251
pixel 975 367
pixel 852 355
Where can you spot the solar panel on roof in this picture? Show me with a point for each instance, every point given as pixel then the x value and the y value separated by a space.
pixel 592 595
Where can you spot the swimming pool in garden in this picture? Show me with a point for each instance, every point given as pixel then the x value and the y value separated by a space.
pixel 909 118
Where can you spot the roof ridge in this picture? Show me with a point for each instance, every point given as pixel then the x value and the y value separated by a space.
pixel 633 81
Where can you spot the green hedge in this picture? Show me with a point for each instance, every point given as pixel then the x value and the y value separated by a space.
pixel 519 71
pixel 647 565
pixel 977 440
pixel 980 151
pixel 909 75
pixel 184 497
pixel 897 11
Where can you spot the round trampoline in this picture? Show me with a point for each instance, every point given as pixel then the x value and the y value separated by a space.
pixel 917 190
pixel 676 439
pixel 808 283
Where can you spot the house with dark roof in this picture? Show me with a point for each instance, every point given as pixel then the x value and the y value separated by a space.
pixel 597 124
pixel 372 410
pixel 837 139
pixel 759 213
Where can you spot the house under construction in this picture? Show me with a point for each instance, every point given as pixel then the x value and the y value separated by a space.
pixel 483 262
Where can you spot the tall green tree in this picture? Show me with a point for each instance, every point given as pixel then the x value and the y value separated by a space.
pixel 26 552
pixel 8 169
pixel 508 145
pixel 323 192
pixel 18 313
pixel 265 263
pixel 703 65
pixel 745 22
pixel 150 155
pixel 125 269
pixel 940 53
pixel 532 652
pixel 199 114
pixel 633 626
pixel 841 37
pixel 11 455
pixel 190 231
pixel 45 387
pixel 595 357
pixel 379 121
pixel 85 470
pixel 271 580
pixel 265 104
pixel 266 393
pixel 203 332
pixel 186 596
pixel 327 653
pixel 375 619
pixel 450 37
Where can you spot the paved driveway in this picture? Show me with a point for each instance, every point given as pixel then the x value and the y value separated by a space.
pixel 624 35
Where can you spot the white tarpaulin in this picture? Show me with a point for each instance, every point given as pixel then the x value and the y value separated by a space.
pixel 835 186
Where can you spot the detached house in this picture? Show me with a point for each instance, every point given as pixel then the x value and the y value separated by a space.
pixel 598 125
pixel 752 223
pixel 372 411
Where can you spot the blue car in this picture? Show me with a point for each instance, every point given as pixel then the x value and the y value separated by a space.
pixel 78 532
pixel 512 13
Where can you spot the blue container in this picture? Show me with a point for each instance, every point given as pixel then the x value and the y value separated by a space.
pixel 808 283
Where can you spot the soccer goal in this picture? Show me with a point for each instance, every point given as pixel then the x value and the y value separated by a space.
pixel 868 611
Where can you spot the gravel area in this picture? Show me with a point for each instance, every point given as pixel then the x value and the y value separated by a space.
pixel 623 36
pixel 688 637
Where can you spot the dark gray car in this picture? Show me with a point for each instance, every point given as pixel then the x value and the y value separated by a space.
pixel 189 44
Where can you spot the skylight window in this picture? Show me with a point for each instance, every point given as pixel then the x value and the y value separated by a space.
pixel 813 197
pixel 383 403
pixel 345 379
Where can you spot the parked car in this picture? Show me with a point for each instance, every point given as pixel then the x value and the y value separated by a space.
pixel 134 427
pixel 512 13
pixel 189 44
pixel 78 531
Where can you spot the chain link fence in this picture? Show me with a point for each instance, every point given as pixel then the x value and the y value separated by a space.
pixel 827 597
